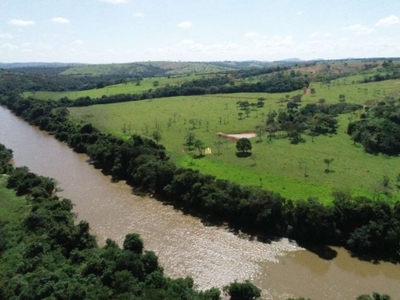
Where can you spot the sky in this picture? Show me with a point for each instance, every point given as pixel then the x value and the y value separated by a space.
pixel 117 31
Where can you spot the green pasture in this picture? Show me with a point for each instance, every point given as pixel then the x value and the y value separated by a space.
pixel 295 171
pixel 123 88
pixel 10 204
pixel 365 93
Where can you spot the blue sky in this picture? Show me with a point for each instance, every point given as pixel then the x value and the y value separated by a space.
pixel 107 31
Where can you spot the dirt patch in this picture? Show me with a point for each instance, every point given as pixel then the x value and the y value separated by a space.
pixel 237 136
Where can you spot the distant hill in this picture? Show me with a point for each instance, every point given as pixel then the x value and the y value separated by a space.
pixel 148 69
pixel 35 65
pixel 294 59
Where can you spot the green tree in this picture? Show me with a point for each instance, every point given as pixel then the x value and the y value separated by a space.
pixel 218 145
pixel 243 145
pixel 199 145
pixel 190 138
pixel 375 296
pixel 259 131
pixel 134 243
pixel 242 291
pixel 328 161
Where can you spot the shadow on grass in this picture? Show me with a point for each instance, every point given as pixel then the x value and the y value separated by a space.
pixel 243 154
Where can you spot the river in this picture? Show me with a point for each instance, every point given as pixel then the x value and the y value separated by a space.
pixel 213 256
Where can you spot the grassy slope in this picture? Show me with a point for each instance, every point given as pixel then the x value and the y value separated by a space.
pixel 275 165
pixel 10 204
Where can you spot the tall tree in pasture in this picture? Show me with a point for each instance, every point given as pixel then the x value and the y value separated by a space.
pixel 199 145
pixel 243 145
pixel 218 145
pixel 190 138
pixel 259 131
pixel 328 161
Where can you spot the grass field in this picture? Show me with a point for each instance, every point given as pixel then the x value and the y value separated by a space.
pixel 10 204
pixel 295 171
pixel 122 88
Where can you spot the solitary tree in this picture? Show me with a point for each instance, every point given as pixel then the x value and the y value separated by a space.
pixel 243 145
pixel 190 138
pixel 218 145
pixel 259 132
pixel 199 145
pixel 327 161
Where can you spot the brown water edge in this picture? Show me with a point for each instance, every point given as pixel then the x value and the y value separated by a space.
pixel 213 256
pixel 303 273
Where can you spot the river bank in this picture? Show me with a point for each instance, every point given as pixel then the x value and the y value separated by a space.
pixel 211 255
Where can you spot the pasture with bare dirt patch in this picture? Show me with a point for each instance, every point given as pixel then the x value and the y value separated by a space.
pixel 295 171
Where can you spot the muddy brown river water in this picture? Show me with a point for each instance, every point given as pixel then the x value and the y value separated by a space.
pixel 213 256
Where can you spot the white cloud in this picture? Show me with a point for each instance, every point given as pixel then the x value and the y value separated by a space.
pixel 359 29
pixel 9 46
pixel 17 22
pixel 116 1
pixel 77 42
pixel 186 24
pixel 60 20
pixel 299 12
pixel 138 15
pixel 319 34
pixel 6 36
pixel 389 21
pixel 251 35
pixel 43 46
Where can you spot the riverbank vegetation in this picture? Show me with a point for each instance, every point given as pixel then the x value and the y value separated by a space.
pixel 43 254
pixel 363 225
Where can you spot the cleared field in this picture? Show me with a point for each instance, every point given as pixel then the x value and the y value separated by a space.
pixel 122 88
pixel 295 171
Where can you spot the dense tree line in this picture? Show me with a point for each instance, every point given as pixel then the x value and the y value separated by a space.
pixel 22 81
pixel 5 157
pixel 50 78
pixel 363 225
pixel 378 129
